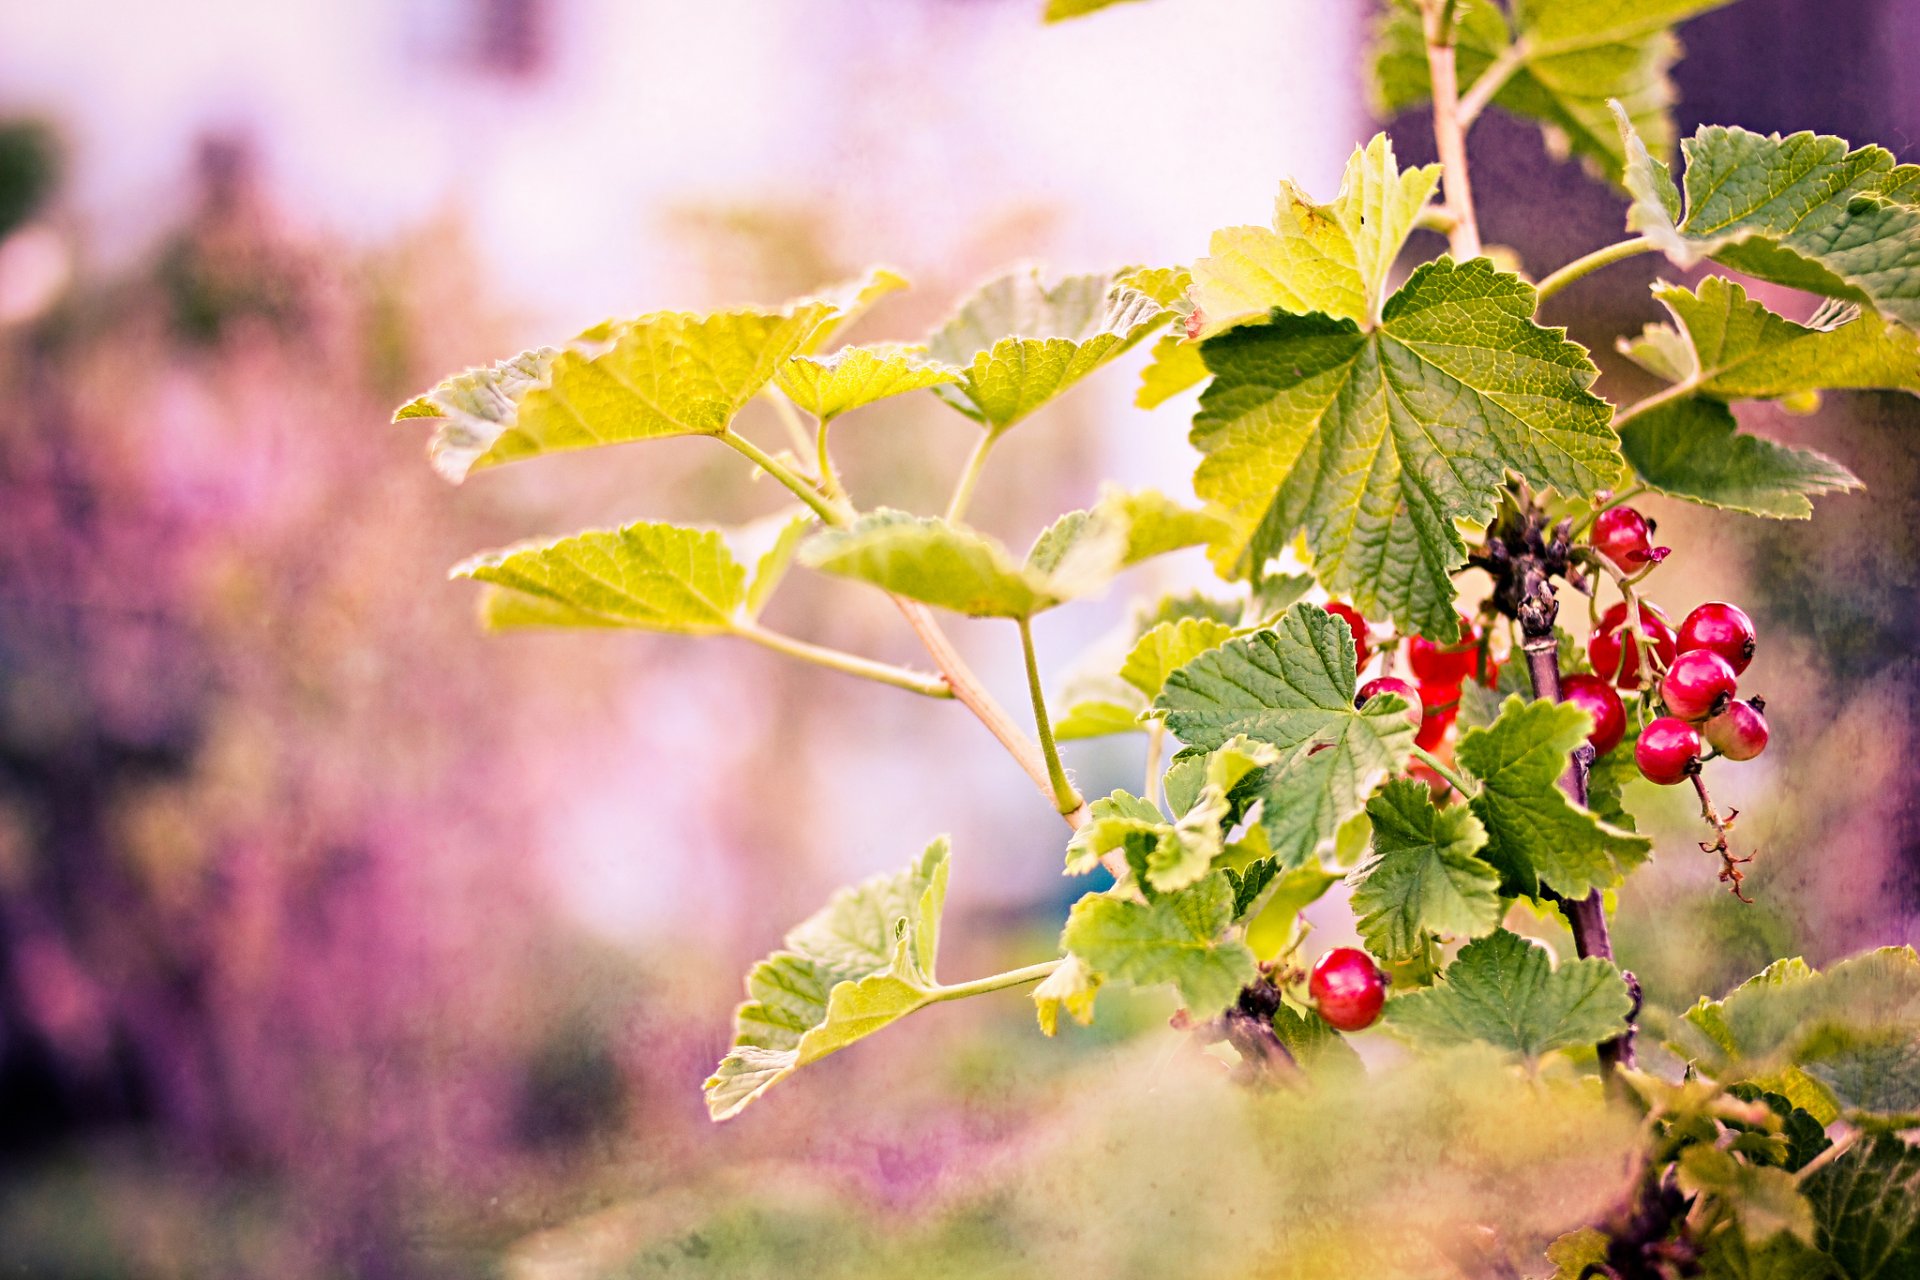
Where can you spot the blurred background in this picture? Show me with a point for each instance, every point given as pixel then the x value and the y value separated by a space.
pixel 340 940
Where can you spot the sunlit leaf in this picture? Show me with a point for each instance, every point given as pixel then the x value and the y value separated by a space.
pixel 1071 990
pixel 1505 991
pixel 927 559
pixel 658 577
pixel 1168 647
pixel 1178 938
pixel 853 377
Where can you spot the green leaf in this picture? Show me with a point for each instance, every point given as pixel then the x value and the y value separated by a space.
pixel 1866 1207
pixel 1098 718
pixel 1424 879
pixel 1765 1201
pixel 927 559
pixel 1320 1050
pixel 1269 932
pixel 1173 365
pixel 772 563
pixel 1692 448
pixel 1802 211
pixel 853 377
pixel 1377 443
pixel 1332 259
pixel 1842 1041
pixel 1178 938
pixel 1535 835
pixel 1573 56
pixel 1504 990
pixel 1019 343
pixel 1168 647
pixel 1111 820
pixel 1061 10
pixel 1081 550
pixel 1578 1254
pixel 658 577
pixel 861 962
pixel 1071 990
pixel 664 374
pixel 1171 855
pixel 1732 348
pixel 1292 687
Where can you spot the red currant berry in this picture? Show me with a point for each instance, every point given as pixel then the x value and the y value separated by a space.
pixel 1698 686
pixel 1356 624
pixel 1722 628
pixel 1739 732
pixel 1394 685
pixel 1616 655
pixel 1625 537
pixel 1348 988
pixel 1439 706
pixel 1597 698
pixel 1446 664
pixel 1668 751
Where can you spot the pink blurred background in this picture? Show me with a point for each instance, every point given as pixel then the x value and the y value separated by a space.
pixel 338 939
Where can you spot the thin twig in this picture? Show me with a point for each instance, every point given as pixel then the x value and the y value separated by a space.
pixel 1449 133
pixel 1491 81
pixel 1730 873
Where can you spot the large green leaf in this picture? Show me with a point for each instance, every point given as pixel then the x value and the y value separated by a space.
pixel 1179 938
pixel 1866 1208
pixel 1729 347
pixel 663 374
pixel 1535 834
pixel 1019 342
pixel 1692 448
pixel 861 962
pixel 853 377
pixel 1292 687
pixel 1333 259
pixel 1504 990
pixel 1572 56
pixel 658 577
pixel 1425 879
pixel 1802 211
pixel 1377 443
pixel 1842 1041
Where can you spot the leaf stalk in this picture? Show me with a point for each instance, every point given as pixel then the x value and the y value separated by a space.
pixel 1589 263
pixel 930 686
pixel 1065 798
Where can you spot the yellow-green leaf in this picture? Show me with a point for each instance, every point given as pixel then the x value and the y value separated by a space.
pixel 853 377
pixel 657 577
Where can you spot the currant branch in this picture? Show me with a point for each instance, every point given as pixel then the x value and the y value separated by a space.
pixel 1449 129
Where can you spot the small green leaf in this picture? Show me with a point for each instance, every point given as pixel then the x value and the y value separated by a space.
pixel 1319 1049
pixel 1732 348
pixel 1578 1254
pixel 1332 259
pixel 864 960
pixel 1424 879
pixel 1110 821
pixel 1376 444
pixel 1019 343
pixel 1098 718
pixel 1071 990
pixel 1082 550
pixel 1842 1041
pixel 853 377
pixel 1535 835
pixel 664 374
pixel 1168 647
pixel 1802 211
pixel 771 565
pixel 1178 938
pixel 1866 1207
pixel 658 577
pixel 1693 448
pixel 927 559
pixel 1271 930
pixel 1173 365
pixel 1504 990
pixel 1765 1201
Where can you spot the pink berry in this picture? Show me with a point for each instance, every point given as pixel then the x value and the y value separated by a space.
pixel 1446 664
pixel 1597 698
pixel 1348 988
pixel 1698 686
pixel 1394 685
pixel 1722 628
pixel 1739 732
pixel 1616 655
pixel 1625 537
pixel 1668 751
pixel 1356 624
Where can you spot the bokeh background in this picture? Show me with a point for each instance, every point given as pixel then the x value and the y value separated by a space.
pixel 337 939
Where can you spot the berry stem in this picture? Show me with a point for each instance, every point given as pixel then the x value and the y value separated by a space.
pixel 1730 873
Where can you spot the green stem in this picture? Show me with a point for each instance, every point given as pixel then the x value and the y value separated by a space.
pixel 1590 263
pixel 830 512
pixel 995 982
pixel 828 479
pixel 789 416
pixel 1491 81
pixel 1065 798
pixel 1620 499
pixel 1445 770
pixel 1156 750
pixel 1678 391
pixel 849 663
pixel 963 491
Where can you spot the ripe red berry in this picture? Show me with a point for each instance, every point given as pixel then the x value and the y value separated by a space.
pixel 1446 664
pixel 1393 685
pixel 1739 732
pixel 1722 628
pixel 1348 988
pixel 1616 655
pixel 1698 685
pixel 1625 537
pixel 1440 707
pixel 1668 751
pixel 1357 625
pixel 1597 698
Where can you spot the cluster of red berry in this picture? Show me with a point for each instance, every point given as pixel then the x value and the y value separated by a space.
pixel 1693 672
pixel 1440 669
